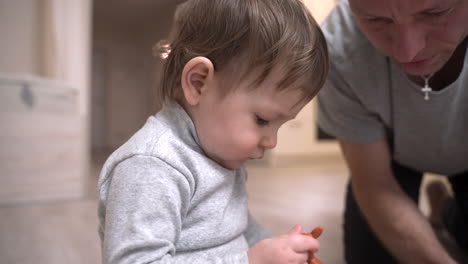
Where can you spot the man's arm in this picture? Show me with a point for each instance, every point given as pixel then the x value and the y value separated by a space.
pixel 392 215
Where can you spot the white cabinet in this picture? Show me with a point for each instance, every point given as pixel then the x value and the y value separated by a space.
pixel 42 141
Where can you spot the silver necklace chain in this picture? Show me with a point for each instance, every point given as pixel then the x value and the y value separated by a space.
pixel 426 89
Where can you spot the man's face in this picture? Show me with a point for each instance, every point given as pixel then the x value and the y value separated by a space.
pixel 420 35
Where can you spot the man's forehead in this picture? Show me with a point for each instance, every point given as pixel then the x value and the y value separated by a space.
pixel 378 7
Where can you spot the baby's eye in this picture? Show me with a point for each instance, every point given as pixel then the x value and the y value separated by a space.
pixel 261 122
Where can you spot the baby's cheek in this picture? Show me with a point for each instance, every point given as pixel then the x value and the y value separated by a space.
pixel 249 142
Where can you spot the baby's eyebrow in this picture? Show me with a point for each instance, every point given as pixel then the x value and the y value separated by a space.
pixel 281 115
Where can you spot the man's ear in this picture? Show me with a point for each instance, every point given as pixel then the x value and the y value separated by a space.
pixel 196 75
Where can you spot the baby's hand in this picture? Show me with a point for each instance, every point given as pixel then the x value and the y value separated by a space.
pixel 291 248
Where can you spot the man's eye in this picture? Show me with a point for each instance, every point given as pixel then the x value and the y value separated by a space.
pixel 260 121
pixel 438 13
pixel 379 20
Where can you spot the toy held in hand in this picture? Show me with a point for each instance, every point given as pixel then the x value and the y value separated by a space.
pixel 315 234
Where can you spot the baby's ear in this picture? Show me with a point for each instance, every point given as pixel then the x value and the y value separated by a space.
pixel 196 76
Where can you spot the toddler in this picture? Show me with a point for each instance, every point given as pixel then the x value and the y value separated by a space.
pixel 234 72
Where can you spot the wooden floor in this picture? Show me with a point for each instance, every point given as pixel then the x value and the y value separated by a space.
pixel 306 191
pixel 309 192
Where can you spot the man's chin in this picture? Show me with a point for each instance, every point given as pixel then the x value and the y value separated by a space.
pixel 421 68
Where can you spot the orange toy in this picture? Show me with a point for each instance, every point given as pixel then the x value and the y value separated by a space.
pixel 315 234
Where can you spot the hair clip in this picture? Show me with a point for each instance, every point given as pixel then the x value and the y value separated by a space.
pixel 163 49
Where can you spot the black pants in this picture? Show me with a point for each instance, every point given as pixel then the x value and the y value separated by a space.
pixel 361 245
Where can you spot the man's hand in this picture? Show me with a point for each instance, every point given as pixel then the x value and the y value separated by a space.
pixel 391 213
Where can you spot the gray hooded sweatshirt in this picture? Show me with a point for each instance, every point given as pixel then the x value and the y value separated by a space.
pixel 163 201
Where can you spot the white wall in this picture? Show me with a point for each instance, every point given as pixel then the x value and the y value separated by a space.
pixel 73 41
pixel 320 8
pixel 20 27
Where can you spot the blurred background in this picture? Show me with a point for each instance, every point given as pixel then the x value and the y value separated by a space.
pixel 77 80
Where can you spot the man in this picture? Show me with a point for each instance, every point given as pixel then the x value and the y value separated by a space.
pixel 397 101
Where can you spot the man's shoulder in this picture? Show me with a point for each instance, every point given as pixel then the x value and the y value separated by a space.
pixel 348 46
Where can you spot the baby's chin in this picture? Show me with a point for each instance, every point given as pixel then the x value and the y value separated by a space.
pixel 232 164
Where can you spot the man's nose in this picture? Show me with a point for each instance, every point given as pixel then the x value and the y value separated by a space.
pixel 408 41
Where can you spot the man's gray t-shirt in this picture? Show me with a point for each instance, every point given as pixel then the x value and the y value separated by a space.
pixel 163 201
pixel 367 97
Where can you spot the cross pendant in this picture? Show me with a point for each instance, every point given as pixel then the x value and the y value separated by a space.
pixel 426 89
